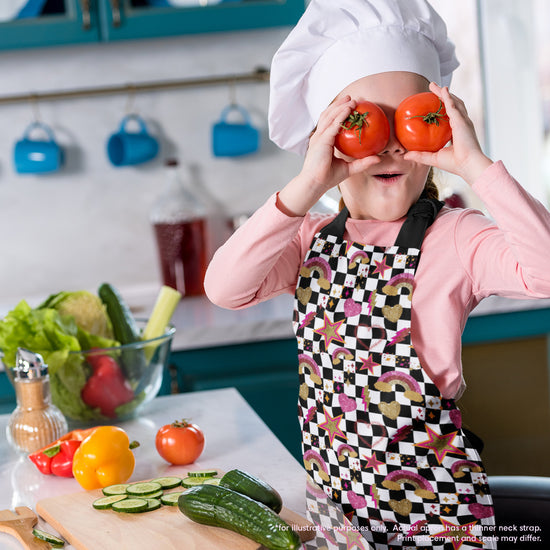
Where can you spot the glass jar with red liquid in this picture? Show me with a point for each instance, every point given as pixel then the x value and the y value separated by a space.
pixel 180 222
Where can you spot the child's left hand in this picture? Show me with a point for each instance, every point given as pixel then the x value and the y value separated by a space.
pixel 463 156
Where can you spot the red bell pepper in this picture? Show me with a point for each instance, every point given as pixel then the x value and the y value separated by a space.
pixel 57 458
pixel 107 388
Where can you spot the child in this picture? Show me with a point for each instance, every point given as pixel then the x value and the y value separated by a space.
pixel 380 372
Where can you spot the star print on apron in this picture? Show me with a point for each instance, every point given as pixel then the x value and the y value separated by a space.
pixel 377 435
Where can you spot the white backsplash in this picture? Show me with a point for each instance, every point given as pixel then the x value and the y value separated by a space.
pixel 89 223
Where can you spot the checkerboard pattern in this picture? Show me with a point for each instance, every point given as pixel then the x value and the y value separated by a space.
pixel 377 435
pixel 333 530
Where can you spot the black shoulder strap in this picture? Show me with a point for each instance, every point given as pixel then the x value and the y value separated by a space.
pixel 337 226
pixel 419 217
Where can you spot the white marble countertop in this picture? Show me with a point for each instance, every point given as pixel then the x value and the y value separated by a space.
pixel 235 438
pixel 201 324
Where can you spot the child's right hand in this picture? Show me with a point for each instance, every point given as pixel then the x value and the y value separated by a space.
pixel 322 170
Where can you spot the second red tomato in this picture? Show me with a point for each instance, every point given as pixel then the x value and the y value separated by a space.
pixel 365 132
pixel 421 123
pixel 180 442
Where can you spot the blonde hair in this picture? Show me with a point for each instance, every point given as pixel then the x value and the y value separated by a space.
pixel 430 189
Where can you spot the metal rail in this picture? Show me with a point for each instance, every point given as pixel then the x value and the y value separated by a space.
pixel 259 75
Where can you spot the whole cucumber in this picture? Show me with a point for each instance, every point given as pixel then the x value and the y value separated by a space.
pixel 252 487
pixel 125 330
pixel 222 507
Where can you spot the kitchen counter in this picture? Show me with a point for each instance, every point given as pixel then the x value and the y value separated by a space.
pixel 235 438
pixel 200 324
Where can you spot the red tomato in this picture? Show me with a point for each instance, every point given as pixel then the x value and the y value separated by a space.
pixel 180 442
pixel 421 123
pixel 365 132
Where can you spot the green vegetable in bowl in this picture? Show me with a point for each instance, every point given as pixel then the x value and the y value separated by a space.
pixel 68 330
pixel 86 308
pixel 54 336
pixel 133 361
pixel 45 331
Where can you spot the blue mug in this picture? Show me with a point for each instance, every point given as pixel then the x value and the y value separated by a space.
pixel 126 148
pixel 37 156
pixel 231 139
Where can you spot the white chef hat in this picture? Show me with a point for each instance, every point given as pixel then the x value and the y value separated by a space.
pixel 337 42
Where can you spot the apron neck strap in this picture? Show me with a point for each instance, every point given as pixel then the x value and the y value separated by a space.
pixel 337 226
pixel 419 217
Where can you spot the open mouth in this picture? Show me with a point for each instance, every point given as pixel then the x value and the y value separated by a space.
pixel 388 177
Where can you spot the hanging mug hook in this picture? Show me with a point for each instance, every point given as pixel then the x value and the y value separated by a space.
pixel 131 99
pixel 33 98
pixel 233 91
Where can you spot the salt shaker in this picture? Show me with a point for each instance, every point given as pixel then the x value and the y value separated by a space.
pixel 35 422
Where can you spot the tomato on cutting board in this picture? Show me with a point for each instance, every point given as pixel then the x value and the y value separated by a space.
pixel 180 442
pixel 365 132
pixel 421 123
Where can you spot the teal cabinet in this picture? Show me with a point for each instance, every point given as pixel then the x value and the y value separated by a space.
pixel 62 22
pixel 510 325
pixel 83 21
pixel 265 373
pixel 156 18
pixel 7 394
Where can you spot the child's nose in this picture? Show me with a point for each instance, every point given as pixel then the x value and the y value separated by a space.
pixel 394 145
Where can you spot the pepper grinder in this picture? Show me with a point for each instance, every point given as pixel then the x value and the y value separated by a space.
pixel 35 422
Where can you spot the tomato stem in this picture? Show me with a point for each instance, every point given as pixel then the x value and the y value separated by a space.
pixel 431 118
pixel 180 423
pixel 357 121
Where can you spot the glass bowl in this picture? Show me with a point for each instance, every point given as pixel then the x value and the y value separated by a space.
pixel 107 385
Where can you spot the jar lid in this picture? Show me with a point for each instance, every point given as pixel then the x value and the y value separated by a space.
pixel 29 365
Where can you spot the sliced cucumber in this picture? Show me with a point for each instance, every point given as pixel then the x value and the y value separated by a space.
pixel 212 481
pixel 103 503
pixel 167 482
pixel 152 504
pixel 119 489
pixel 171 499
pixel 144 489
pixel 156 494
pixel 131 505
pixel 193 481
pixel 56 542
pixel 203 473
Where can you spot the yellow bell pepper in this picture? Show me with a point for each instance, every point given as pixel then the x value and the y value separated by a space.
pixel 104 458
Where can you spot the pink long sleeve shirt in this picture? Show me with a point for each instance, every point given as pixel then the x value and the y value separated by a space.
pixel 465 257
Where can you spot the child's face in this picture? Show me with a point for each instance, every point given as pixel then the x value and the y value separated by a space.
pixel 370 195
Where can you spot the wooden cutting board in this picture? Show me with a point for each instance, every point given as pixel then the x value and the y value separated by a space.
pixel 166 528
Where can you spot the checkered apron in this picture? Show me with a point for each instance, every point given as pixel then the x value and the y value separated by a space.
pixel 377 435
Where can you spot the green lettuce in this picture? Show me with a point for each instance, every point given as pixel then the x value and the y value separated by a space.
pixel 89 312
pixel 56 337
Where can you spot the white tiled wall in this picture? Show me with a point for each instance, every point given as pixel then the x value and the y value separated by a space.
pixel 89 223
